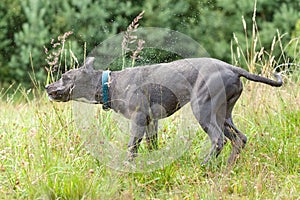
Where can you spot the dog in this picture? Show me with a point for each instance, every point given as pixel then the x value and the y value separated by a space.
pixel 148 93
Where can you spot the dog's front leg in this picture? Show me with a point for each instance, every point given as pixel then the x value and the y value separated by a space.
pixel 138 129
pixel 151 135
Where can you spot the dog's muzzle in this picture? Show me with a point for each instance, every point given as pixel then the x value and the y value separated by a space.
pixel 57 94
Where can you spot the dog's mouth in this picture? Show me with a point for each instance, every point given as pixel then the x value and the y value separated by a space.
pixel 60 95
pixel 56 96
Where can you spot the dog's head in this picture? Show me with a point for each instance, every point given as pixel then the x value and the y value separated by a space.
pixel 77 84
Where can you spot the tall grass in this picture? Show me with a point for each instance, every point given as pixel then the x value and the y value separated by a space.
pixel 42 154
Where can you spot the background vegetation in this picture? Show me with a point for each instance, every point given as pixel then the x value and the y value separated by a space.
pixel 29 25
pixel 43 156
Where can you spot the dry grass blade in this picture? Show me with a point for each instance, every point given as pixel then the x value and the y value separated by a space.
pixel 54 57
pixel 138 49
pixel 135 23
pixel 129 39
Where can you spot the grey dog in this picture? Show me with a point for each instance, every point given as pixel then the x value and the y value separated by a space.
pixel 148 93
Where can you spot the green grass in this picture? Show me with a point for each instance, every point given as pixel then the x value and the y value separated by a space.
pixel 43 156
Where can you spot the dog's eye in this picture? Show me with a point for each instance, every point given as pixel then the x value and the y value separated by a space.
pixel 65 77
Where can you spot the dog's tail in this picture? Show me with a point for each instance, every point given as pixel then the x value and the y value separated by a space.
pixel 257 78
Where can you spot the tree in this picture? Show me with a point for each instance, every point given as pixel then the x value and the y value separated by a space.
pixel 11 20
pixel 30 40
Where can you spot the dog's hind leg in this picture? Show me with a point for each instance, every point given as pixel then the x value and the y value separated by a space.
pixel 215 134
pixel 238 140
pixel 229 124
pixel 212 122
pixel 151 135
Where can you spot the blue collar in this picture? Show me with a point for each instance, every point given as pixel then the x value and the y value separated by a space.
pixel 105 86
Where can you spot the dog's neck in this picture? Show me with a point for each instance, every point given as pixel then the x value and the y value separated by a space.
pixel 102 95
pixel 105 89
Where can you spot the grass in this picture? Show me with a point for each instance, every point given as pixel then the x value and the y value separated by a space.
pixel 43 156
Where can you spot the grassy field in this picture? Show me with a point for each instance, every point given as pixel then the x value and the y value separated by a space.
pixel 43 156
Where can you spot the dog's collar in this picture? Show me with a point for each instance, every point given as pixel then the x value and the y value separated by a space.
pixel 105 87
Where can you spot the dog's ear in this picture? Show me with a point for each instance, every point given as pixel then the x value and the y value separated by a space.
pixel 89 63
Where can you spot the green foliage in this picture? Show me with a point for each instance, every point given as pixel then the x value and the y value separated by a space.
pixel 30 40
pixel 44 156
pixel 294 48
pixel 10 23
pixel 29 25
